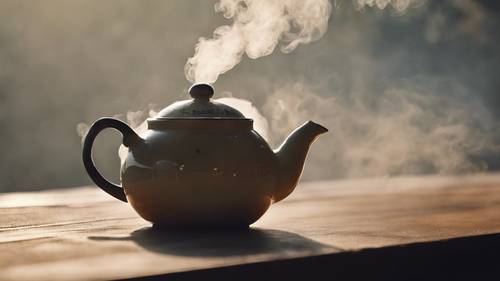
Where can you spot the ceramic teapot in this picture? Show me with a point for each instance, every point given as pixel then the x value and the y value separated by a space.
pixel 200 163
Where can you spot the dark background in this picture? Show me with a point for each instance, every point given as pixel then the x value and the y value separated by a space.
pixel 412 93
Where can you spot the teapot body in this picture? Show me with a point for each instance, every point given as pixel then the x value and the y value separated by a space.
pixel 201 164
pixel 202 176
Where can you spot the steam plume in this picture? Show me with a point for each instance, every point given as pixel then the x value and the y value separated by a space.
pixel 258 27
pixel 398 5
pixel 404 133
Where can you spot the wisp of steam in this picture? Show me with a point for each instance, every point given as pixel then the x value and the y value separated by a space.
pixel 398 5
pixel 258 27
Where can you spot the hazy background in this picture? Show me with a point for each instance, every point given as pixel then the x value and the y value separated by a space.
pixel 412 93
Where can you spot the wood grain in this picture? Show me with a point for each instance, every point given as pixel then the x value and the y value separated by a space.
pixel 83 234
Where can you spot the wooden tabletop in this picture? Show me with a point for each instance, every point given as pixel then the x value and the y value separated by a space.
pixel 82 233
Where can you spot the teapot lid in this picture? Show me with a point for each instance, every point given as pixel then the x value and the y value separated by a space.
pixel 200 107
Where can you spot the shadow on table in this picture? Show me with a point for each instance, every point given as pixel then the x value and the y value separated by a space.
pixel 195 242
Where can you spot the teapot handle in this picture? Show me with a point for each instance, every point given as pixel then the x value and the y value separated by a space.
pixel 130 138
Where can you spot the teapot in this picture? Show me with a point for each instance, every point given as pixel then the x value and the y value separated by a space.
pixel 201 164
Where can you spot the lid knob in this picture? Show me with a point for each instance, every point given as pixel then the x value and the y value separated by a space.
pixel 201 91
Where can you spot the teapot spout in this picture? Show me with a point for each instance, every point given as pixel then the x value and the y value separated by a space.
pixel 291 156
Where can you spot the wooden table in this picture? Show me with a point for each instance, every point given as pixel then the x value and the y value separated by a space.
pixel 415 227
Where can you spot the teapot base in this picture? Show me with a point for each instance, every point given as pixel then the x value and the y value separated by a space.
pixel 198 206
pixel 157 226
